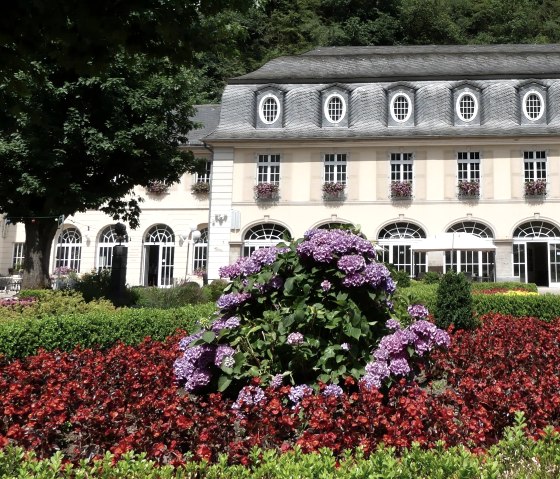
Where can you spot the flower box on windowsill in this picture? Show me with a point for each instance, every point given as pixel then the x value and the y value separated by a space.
pixel 157 187
pixel 469 189
pixel 535 188
pixel 266 192
pixel 200 188
pixel 401 190
pixel 333 191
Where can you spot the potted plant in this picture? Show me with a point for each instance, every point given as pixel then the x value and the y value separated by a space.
pixel 469 188
pixel 266 191
pixel 535 187
pixel 333 190
pixel 401 189
pixel 157 187
pixel 200 188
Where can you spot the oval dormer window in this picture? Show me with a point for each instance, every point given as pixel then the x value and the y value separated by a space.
pixel 467 107
pixel 400 107
pixel 269 109
pixel 335 108
pixel 533 105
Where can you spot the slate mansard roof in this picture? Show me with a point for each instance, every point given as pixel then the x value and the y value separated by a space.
pixel 368 74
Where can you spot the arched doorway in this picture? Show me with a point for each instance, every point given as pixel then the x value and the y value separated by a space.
pixel 69 249
pixel 159 256
pixel 396 240
pixel 107 240
pixel 536 253
pixel 479 264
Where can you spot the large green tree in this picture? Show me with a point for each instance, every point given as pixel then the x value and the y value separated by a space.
pixel 96 98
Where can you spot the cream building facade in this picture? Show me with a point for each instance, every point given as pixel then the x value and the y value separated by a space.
pixel 445 156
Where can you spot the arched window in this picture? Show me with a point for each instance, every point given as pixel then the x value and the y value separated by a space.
pixel 335 108
pixel 480 264
pixel 159 256
pixel 107 240
pixel 401 108
pixel 467 106
pixel 533 105
pixel 269 109
pixel 536 253
pixel 69 249
pixel 200 254
pixel 396 240
pixel 264 235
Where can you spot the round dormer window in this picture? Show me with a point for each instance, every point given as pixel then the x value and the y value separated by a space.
pixel 533 105
pixel 269 109
pixel 401 107
pixel 467 106
pixel 335 108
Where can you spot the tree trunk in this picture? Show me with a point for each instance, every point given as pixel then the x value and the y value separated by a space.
pixel 39 235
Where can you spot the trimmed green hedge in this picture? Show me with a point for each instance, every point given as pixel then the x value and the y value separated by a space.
pixel 24 336
pixel 515 457
pixel 543 306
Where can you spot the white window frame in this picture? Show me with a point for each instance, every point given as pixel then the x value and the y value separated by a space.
pixel 205 177
pixel 531 168
pixel 470 160
pixel 262 115
pixel 268 168
pixel 395 97
pixel 107 241
pixel 458 105
pixel 69 249
pixel 18 256
pixel 524 105
pixel 335 168
pixel 200 251
pixel 402 167
pixel 326 109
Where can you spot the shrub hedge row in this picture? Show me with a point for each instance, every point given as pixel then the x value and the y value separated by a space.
pixel 543 306
pixel 22 337
pixel 514 457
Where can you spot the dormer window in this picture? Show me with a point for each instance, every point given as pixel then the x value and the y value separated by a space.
pixel 334 111
pixel 467 101
pixel 335 108
pixel 533 105
pixel 269 109
pixel 401 108
pixel 532 99
pixel 467 106
pixel 269 106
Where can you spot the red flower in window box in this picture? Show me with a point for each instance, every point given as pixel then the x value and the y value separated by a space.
pixel 401 189
pixel 333 191
pixel 469 188
pixel 200 188
pixel 266 191
pixel 157 187
pixel 535 187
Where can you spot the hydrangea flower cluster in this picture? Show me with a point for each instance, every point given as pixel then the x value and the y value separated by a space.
pixel 356 258
pixel 294 338
pixel 297 393
pixel 231 300
pixel 194 368
pixel 324 246
pixel 332 390
pixel 393 354
pixel 418 311
pixel 253 264
pixel 249 396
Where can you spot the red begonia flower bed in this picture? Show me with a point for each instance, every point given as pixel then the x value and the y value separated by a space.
pixel 87 402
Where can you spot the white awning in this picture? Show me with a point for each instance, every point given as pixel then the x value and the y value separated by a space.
pixel 454 241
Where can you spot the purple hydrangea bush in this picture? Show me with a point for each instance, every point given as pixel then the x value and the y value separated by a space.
pixel 301 313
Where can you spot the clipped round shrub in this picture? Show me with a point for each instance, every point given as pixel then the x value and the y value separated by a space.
pixel 215 289
pixel 454 303
pixel 308 312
